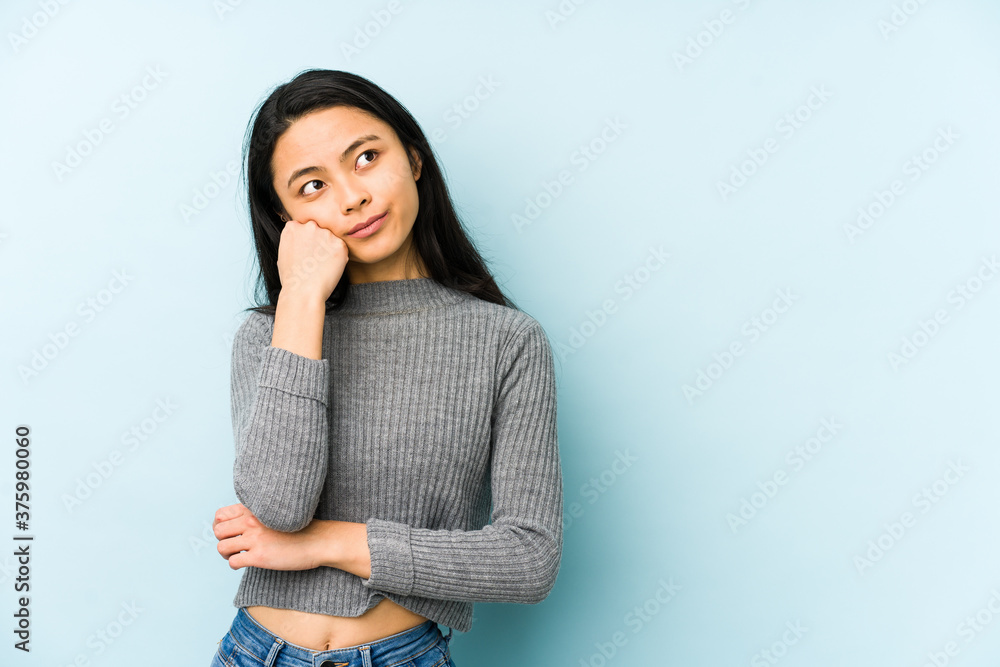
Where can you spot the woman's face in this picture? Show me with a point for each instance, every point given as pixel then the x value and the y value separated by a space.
pixel 340 167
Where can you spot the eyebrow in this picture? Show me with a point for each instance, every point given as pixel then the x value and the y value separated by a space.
pixel 343 156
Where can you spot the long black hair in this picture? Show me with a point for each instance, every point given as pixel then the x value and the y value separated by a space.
pixel 438 236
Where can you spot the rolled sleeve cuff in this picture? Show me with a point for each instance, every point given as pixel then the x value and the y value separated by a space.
pixel 292 373
pixel 391 557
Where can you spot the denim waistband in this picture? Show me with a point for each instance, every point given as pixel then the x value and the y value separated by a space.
pixel 267 647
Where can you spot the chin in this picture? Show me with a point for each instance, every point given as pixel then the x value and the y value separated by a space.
pixel 376 252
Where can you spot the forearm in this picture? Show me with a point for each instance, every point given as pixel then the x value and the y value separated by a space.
pixel 498 563
pixel 343 545
pixel 298 324
pixel 280 422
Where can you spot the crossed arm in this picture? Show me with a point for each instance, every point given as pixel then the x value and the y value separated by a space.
pixel 281 464
pixel 245 541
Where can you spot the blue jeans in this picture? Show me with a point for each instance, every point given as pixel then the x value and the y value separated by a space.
pixel 249 644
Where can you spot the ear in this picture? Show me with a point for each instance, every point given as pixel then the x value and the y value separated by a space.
pixel 416 164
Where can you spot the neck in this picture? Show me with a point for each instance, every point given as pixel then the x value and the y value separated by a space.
pixel 396 296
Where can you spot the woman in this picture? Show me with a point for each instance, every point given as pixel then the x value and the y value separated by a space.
pixel 394 414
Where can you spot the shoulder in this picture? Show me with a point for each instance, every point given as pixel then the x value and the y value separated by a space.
pixel 519 342
pixel 513 327
pixel 256 327
pixel 526 332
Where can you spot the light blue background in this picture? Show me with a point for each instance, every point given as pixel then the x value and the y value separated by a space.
pixel 144 534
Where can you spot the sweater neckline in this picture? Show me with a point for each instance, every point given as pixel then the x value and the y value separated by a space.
pixel 395 296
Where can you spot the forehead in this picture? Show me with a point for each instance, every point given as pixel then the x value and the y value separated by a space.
pixel 322 136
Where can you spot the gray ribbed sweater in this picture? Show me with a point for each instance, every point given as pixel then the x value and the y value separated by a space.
pixel 428 405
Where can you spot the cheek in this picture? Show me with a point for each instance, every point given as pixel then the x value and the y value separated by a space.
pixel 400 184
pixel 406 191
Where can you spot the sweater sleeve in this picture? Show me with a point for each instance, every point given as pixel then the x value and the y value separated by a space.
pixel 280 427
pixel 515 558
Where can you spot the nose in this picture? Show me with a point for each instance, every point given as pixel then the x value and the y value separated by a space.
pixel 355 196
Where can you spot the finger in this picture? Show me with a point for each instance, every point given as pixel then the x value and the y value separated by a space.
pixel 229 512
pixel 231 528
pixel 236 561
pixel 242 558
pixel 233 545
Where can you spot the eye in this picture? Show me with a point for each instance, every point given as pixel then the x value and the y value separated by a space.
pixel 302 190
pixel 373 152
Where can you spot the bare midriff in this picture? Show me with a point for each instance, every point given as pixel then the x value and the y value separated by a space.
pixel 323 632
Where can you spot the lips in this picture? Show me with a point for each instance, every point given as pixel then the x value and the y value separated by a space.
pixel 364 224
